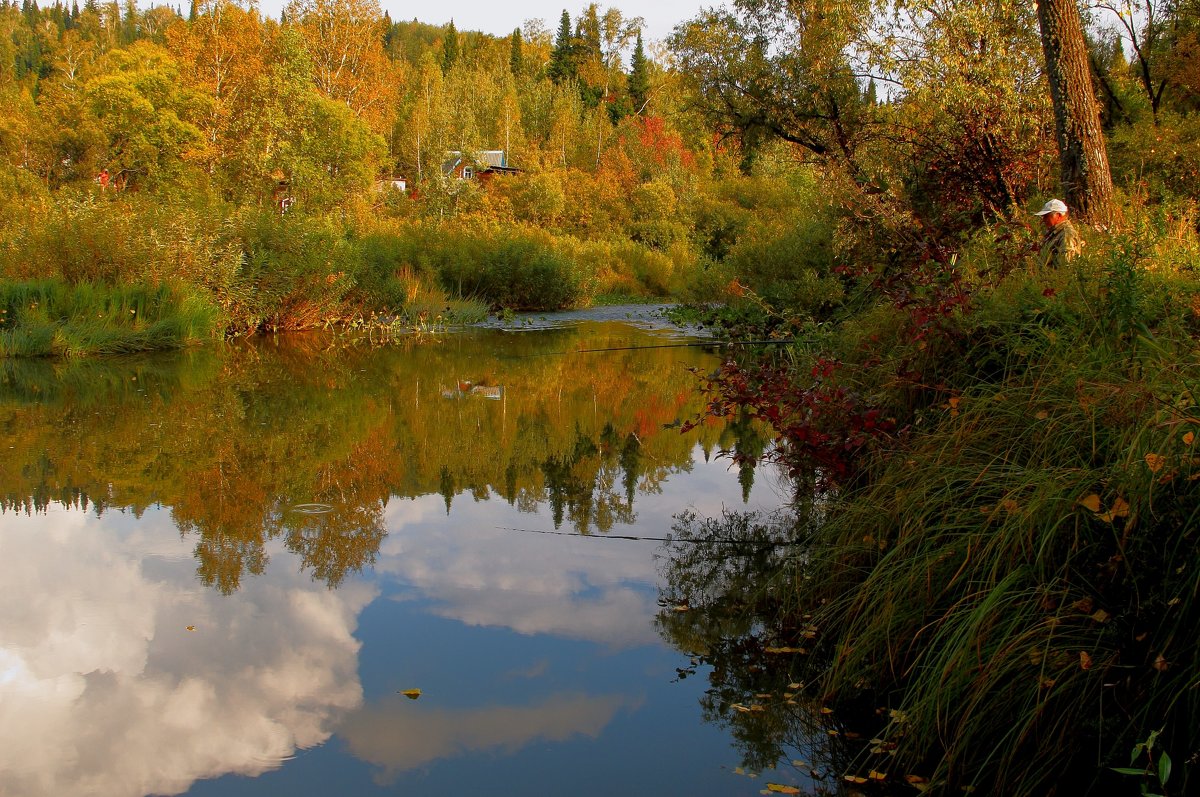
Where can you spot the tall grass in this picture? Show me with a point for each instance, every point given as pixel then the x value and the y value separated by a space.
pixel 1019 578
pixel 49 317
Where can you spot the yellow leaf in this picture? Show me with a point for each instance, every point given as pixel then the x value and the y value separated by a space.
pixel 826 710
pixel 1155 462
pixel 191 628
pixel 1119 508
pixel 1101 616
pixel 1043 415
pixel 1188 438
pixel 854 779
pixel 1091 502
pixel 795 686
pixel 913 780
pixel 411 694
pixel 875 775
pixel 774 650
pixel 1161 664
pixel 1085 660
pixel 779 788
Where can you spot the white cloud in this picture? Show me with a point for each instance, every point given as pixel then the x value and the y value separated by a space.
pixel 400 735
pixel 104 691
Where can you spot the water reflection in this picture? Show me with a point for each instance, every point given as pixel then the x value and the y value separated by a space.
pixel 726 603
pixel 231 443
pixel 172 525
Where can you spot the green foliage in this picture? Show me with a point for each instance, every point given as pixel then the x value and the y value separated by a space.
pixel 51 318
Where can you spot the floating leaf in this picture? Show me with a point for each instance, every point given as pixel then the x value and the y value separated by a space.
pixel 411 694
pixel 774 650
pixel 854 779
pixel 795 686
pixel 1091 502
pixel 826 710
pixel 779 788
pixel 914 780
pixel 876 775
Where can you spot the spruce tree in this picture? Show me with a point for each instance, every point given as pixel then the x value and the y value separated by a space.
pixel 639 77
pixel 515 56
pixel 562 57
pixel 450 47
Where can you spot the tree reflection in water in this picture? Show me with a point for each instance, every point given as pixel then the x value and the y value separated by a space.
pixel 232 440
pixel 727 603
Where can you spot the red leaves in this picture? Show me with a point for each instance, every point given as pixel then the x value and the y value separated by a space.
pixel 820 426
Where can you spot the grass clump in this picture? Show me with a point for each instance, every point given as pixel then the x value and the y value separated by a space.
pixel 51 318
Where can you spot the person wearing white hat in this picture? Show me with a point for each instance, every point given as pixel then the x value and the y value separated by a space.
pixel 1061 241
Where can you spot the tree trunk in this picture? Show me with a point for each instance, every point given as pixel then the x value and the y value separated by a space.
pixel 1086 179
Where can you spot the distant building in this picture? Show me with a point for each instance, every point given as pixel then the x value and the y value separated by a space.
pixel 482 165
pixel 394 183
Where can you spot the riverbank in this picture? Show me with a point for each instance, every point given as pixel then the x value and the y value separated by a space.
pixel 1002 553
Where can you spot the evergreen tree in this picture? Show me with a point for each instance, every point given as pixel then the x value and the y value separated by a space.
pixel 639 76
pixel 192 12
pixel 129 23
pixel 562 57
pixel 449 47
pixel 872 97
pixel 515 57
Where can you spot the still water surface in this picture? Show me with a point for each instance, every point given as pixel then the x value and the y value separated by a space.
pixel 221 569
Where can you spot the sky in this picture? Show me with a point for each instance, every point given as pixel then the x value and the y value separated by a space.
pixel 500 19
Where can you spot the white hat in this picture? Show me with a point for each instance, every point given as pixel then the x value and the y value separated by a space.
pixel 1053 206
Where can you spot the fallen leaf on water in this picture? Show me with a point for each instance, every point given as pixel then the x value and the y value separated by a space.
pixel 876 775
pixel 779 788
pixel 775 650
pixel 826 710
pixel 913 780
pixel 854 779
pixel 795 686
pixel 411 694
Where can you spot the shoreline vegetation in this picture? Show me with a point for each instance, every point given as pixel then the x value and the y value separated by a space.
pixel 996 466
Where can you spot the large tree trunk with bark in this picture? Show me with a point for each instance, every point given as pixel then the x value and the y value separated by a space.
pixel 1086 179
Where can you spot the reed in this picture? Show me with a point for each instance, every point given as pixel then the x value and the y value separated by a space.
pixel 51 318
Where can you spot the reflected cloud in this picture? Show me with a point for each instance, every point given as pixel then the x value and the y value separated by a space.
pixel 104 690
pixel 400 735
pixel 585 588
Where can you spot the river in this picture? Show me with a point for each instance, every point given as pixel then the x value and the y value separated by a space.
pixel 316 566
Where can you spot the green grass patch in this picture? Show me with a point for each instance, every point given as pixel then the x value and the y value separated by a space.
pixel 51 318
